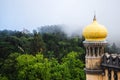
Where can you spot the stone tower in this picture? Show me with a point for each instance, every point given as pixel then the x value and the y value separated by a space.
pixel 94 43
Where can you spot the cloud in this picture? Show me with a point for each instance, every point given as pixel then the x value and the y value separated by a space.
pixel 30 14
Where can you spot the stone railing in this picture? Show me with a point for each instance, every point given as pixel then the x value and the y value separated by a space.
pixel 111 61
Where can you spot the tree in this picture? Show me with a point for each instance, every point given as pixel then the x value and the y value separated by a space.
pixel 61 59
pixel 114 48
pixel 8 67
pixel 3 77
pixel 33 67
pixel 37 44
pixel 75 66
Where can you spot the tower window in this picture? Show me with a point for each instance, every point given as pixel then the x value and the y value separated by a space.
pixel 115 76
pixel 109 74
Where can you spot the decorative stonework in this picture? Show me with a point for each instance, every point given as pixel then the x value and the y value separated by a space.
pixel 99 66
pixel 94 52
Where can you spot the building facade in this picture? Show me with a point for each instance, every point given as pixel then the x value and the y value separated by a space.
pixel 99 65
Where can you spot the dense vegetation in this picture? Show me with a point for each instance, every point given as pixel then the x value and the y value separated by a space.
pixel 45 54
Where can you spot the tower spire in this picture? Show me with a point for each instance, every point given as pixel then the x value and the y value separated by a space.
pixel 94 19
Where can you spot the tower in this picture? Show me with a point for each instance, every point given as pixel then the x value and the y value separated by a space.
pixel 95 35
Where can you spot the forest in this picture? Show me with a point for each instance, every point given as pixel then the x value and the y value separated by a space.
pixel 44 54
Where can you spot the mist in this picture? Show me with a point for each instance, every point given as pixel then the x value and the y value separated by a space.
pixel 73 14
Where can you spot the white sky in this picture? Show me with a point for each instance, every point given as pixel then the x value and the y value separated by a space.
pixel 30 14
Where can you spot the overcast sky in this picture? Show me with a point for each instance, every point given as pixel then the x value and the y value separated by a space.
pixel 30 14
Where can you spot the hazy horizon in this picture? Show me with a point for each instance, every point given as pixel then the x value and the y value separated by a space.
pixel 75 14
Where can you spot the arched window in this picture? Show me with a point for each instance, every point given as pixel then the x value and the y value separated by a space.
pixel 115 76
pixel 95 51
pixel 109 74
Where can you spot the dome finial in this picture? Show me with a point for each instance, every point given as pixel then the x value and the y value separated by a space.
pixel 95 31
pixel 94 19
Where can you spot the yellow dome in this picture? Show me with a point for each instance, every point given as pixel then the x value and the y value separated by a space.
pixel 95 32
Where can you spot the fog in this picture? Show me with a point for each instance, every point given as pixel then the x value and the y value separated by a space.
pixel 74 14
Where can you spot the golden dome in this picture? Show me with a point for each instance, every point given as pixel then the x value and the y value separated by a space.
pixel 95 32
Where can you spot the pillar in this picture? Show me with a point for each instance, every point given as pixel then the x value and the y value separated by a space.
pixel 112 75
pixel 93 59
pixel 118 74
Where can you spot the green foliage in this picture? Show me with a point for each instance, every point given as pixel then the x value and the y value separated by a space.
pixel 3 77
pixel 33 67
pixel 45 55
pixel 29 67
pixel 8 66
pixel 50 40
pixel 37 44
pixel 75 65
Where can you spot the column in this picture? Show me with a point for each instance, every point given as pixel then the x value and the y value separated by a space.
pixel 112 75
pixel 102 51
pixel 118 74
pixel 93 51
pixel 98 52
pixel 105 76
pixel 87 52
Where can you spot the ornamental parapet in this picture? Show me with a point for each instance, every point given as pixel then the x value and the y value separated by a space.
pixel 111 61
